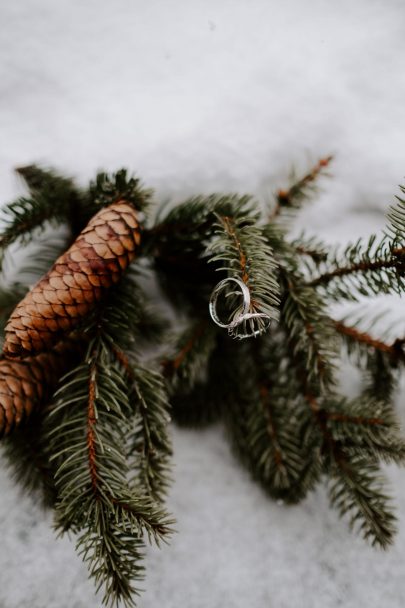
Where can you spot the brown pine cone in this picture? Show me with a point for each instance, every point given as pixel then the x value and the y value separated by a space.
pixel 77 280
pixel 26 384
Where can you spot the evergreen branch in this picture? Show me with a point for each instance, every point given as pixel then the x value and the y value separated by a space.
pixel 347 437
pixel 312 250
pixel 192 219
pixel 266 428
pixel 356 482
pixel 193 349
pixel 104 556
pixel 229 227
pixel 96 499
pixel 89 430
pixel 91 423
pixel 369 268
pixel 146 514
pixel 53 200
pixel 275 446
pixel 300 190
pixel 240 249
pixel 396 224
pixel 148 439
pixel 380 379
pixel 149 442
pixel 178 244
pixel 49 185
pixel 362 267
pixel 107 189
pixel 182 236
pixel 367 424
pixel 379 359
pixel 129 316
pixel 353 334
pixel 357 490
pixel 103 448
pixel 309 331
pixel 199 389
pixel 365 268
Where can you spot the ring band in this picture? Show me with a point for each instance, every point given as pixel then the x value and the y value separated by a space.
pixel 244 314
pixel 214 297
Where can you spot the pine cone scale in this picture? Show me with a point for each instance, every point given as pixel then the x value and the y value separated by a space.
pixel 76 282
pixel 25 384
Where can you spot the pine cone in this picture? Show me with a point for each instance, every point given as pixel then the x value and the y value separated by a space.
pixel 26 384
pixel 77 280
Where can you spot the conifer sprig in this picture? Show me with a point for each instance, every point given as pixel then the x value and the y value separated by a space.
pixel 364 268
pixel 54 199
pixel 358 491
pixel 89 433
pixel 101 449
pixel 240 250
pixel 192 350
pixel 396 223
pixel 300 189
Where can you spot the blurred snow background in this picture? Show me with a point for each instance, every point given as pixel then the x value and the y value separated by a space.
pixel 198 97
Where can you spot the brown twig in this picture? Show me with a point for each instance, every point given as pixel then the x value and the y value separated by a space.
pixel 229 227
pixel 317 256
pixel 271 427
pixel 91 422
pixel 339 417
pixel 393 350
pixel 284 197
pixel 353 268
pixel 123 360
pixel 170 366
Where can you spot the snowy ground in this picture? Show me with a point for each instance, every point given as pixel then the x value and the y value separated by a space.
pixel 198 97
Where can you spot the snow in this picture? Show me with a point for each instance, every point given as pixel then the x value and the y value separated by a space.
pixel 198 97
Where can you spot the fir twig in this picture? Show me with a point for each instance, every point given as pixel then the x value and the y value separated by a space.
pixel 300 189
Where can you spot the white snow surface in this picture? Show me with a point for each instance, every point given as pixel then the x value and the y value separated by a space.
pixel 207 96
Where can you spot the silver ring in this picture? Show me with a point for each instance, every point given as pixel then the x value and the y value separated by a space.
pixel 241 316
pixel 214 297
pixel 246 317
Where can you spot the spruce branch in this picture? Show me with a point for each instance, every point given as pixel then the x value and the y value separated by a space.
pixel 396 224
pixel 365 268
pixel 108 189
pixel 54 199
pixel 149 442
pixel 309 331
pixel 366 425
pixel 111 469
pixel 357 491
pixel 353 476
pixel 179 245
pixel 95 496
pixel 101 448
pixel 356 480
pixel 300 189
pixel 191 354
pixel 368 268
pixel 255 391
pixel 380 360
pixel 354 335
pixel 202 384
pixel 311 249
pixel 240 249
pixel 275 429
pixel 356 486
pixel 149 445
